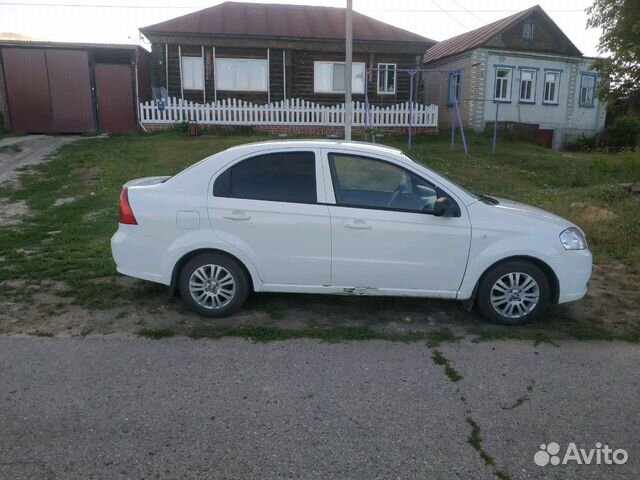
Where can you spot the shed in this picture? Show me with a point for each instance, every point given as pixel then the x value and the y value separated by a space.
pixel 51 87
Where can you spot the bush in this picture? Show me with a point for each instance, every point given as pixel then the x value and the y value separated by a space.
pixel 623 133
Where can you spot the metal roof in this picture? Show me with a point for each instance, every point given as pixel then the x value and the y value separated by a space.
pixel 277 20
pixel 76 45
pixel 478 37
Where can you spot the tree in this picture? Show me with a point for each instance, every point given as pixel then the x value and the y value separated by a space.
pixel 619 21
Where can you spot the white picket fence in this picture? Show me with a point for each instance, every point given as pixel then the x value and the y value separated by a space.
pixel 292 111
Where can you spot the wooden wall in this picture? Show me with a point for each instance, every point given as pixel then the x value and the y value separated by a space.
pixel 299 74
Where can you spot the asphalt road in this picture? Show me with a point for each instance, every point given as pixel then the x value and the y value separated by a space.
pixel 109 408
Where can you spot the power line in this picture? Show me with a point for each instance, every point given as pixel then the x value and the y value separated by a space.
pixel 450 16
pixel 468 11
pixel 193 7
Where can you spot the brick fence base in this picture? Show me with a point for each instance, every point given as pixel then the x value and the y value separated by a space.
pixel 299 130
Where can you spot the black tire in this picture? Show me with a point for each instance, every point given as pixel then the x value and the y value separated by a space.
pixel 498 314
pixel 232 267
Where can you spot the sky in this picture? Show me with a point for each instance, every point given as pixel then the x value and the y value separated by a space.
pixel 118 21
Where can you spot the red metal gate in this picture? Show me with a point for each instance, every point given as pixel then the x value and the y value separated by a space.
pixel 114 93
pixel 70 91
pixel 25 73
pixel 48 90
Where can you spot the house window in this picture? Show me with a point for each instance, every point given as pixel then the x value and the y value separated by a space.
pixel 527 32
pixel 587 89
pixel 386 78
pixel 242 74
pixel 329 77
pixel 528 85
pixel 502 90
pixel 192 73
pixel 551 86
pixel 454 88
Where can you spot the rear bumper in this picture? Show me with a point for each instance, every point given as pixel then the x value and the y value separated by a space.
pixel 137 255
pixel 573 269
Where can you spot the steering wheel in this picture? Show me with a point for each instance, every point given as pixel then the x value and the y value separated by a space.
pixel 396 193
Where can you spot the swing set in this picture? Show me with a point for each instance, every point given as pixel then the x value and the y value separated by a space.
pixel 412 72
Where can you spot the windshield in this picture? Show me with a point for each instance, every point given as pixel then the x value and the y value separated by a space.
pixel 470 192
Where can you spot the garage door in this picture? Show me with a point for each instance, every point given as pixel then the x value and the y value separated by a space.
pixel 114 95
pixel 49 90
pixel 70 91
pixel 25 72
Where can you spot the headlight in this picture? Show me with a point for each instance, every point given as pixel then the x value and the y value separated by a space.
pixel 573 239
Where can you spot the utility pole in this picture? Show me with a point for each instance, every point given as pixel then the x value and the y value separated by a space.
pixel 347 70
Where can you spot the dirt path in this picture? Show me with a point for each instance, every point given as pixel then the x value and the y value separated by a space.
pixel 17 152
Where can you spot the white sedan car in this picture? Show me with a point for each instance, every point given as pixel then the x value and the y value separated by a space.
pixel 342 218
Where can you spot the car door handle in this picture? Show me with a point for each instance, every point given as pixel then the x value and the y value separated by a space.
pixel 358 224
pixel 237 215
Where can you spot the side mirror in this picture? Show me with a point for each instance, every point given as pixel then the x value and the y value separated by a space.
pixel 444 207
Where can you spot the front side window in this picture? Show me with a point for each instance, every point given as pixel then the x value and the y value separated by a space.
pixel 386 78
pixel 527 85
pixel 454 88
pixel 369 183
pixel 192 73
pixel 587 89
pixel 502 91
pixel 329 77
pixel 276 177
pixel 242 74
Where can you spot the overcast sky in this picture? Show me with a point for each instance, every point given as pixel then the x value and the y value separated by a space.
pixel 118 21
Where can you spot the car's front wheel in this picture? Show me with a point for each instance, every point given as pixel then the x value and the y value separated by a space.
pixel 213 285
pixel 513 293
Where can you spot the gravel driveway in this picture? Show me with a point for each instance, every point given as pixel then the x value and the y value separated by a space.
pixel 17 152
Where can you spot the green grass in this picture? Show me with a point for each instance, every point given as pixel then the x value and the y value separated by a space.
pixel 9 149
pixel 156 334
pixel 475 440
pixel 555 181
pixel 440 336
pixel 69 245
pixel 439 359
pixel 40 333
pixel 330 335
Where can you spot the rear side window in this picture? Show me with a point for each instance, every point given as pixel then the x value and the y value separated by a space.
pixel 276 177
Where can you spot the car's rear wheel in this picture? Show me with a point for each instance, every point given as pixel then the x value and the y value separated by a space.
pixel 213 285
pixel 513 293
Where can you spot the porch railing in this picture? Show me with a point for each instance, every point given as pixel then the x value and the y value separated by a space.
pixel 292 111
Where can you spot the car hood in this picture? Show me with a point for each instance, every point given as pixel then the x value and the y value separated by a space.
pixel 510 207
pixel 145 181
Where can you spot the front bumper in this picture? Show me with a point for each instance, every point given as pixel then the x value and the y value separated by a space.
pixel 573 269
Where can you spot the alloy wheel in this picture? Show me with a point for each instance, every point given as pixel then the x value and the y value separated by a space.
pixel 515 295
pixel 212 286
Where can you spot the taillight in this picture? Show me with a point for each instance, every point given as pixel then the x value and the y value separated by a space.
pixel 126 214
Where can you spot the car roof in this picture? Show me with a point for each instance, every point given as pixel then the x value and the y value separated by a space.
pixel 317 143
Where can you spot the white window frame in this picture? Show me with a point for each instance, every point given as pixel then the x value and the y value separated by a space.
pixel 383 73
pixel 593 77
pixel 533 81
pixel 192 73
pixel 556 99
pixel 509 80
pixel 241 62
pixel 318 89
